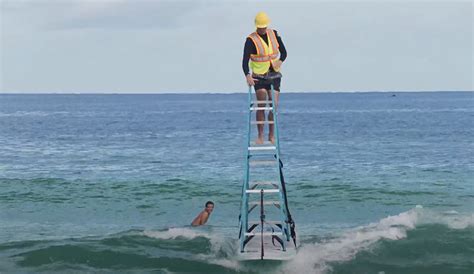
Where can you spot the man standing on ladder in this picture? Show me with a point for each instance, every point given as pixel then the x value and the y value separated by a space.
pixel 266 52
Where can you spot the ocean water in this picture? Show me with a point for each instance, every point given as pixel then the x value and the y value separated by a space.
pixel 377 182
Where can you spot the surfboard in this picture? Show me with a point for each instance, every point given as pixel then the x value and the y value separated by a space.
pixel 253 251
pixel 267 246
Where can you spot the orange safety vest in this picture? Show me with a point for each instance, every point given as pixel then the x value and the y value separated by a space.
pixel 266 54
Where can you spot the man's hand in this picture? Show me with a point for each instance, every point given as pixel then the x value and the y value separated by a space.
pixel 277 64
pixel 250 80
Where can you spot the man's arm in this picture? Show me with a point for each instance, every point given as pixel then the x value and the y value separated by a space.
pixel 200 219
pixel 204 217
pixel 283 53
pixel 197 220
pixel 249 48
pixel 277 63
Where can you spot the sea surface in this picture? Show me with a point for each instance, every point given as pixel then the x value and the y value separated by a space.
pixel 377 182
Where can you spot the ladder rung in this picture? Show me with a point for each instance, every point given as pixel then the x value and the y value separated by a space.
pixel 252 208
pixel 262 148
pixel 264 190
pixel 265 203
pixel 265 183
pixel 261 108
pixel 261 122
pixel 267 222
pixel 261 102
pixel 254 185
pixel 262 162
pixel 265 143
pixel 264 233
pixel 270 155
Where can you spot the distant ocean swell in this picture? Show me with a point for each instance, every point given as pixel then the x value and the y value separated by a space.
pixel 106 183
pixel 78 114
pixel 415 241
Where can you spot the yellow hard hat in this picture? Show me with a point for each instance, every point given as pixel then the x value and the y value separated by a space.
pixel 262 20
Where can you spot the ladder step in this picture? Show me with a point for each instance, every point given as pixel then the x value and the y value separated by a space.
pixel 267 222
pixel 265 143
pixel 261 108
pixel 261 102
pixel 264 190
pixel 262 162
pixel 255 184
pixel 264 233
pixel 265 203
pixel 262 148
pixel 261 122
pixel 265 183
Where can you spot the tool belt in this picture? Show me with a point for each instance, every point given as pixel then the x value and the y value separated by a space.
pixel 266 78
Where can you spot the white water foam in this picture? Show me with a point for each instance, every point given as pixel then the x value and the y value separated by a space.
pixel 451 219
pixel 314 258
pixel 32 113
pixel 175 232
pixel 219 244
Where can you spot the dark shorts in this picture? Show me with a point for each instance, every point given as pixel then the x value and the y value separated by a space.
pixel 265 81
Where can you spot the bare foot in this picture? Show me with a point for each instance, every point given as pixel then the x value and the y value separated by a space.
pixel 271 139
pixel 259 141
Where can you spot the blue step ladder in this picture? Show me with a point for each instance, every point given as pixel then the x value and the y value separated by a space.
pixel 264 233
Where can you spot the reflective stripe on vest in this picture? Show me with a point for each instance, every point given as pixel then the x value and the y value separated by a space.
pixel 263 54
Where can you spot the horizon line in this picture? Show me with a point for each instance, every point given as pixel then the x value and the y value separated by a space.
pixel 223 93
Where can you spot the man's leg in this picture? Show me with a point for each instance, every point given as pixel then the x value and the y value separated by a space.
pixel 261 96
pixel 271 127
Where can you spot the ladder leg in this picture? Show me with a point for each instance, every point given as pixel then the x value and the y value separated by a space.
pixel 277 143
pixel 253 153
pixel 244 208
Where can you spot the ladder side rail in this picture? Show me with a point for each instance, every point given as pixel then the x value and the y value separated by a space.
pixel 283 210
pixel 249 128
pixel 275 120
pixel 245 186
pixel 262 220
pixel 288 218
pixel 283 218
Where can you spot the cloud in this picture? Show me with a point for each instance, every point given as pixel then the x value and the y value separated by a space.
pixel 142 45
pixel 111 15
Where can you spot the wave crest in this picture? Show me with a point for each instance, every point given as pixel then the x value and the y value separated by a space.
pixel 317 257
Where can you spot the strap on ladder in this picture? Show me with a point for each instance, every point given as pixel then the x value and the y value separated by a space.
pixel 290 219
pixel 274 237
pixel 251 236
pixel 262 219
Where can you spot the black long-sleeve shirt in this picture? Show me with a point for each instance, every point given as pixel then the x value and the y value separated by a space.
pixel 251 49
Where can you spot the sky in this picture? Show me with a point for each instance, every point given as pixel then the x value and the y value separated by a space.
pixel 145 46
